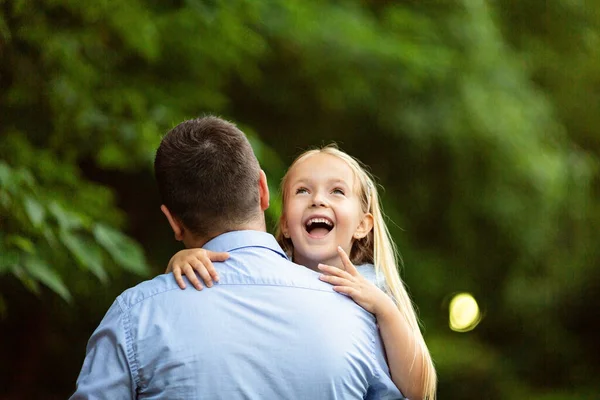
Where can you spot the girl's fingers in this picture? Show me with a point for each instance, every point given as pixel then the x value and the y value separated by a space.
pixel 212 271
pixel 178 278
pixel 324 267
pixel 347 290
pixel 334 280
pixel 335 271
pixel 191 275
pixel 170 266
pixel 348 266
pixel 202 268
pixel 217 256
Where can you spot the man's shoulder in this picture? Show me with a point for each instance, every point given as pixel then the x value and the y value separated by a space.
pixel 241 269
pixel 147 289
pixel 252 267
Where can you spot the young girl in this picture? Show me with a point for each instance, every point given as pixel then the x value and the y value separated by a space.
pixel 332 220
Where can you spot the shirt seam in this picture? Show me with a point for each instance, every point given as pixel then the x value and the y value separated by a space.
pixel 125 307
pixel 129 306
pixel 374 335
pixel 281 285
pixel 130 351
pixel 279 253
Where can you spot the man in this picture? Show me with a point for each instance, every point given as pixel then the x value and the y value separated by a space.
pixel 270 329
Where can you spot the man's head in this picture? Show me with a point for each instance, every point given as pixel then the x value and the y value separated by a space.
pixel 209 180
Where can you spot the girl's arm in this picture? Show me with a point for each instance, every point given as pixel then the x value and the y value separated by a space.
pixel 404 362
pixel 190 261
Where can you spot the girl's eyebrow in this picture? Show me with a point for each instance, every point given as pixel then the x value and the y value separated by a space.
pixel 299 182
pixel 332 181
pixel 338 181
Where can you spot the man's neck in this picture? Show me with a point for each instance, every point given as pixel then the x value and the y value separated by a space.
pixel 191 241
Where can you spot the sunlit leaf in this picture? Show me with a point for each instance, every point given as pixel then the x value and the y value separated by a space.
pixel 49 236
pixel 21 242
pixel 124 250
pixel 87 253
pixel 42 272
pixel 34 210
pixel 66 219
pixel 26 279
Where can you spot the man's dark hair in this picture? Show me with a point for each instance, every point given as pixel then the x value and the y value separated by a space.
pixel 208 175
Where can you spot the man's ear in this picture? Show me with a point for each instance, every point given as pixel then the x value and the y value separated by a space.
pixel 176 225
pixel 263 191
pixel 365 226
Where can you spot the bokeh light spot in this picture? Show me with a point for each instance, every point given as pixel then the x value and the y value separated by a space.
pixel 464 313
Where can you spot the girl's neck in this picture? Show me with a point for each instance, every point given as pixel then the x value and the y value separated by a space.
pixel 313 264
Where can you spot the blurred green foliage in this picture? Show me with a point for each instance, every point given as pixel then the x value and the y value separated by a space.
pixel 479 118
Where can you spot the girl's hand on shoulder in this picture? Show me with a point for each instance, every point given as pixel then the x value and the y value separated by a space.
pixel 350 282
pixel 190 261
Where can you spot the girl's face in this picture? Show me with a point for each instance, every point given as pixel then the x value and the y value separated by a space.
pixel 322 210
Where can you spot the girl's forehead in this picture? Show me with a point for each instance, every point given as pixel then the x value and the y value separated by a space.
pixel 322 166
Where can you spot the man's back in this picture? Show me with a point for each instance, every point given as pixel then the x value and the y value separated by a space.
pixel 268 330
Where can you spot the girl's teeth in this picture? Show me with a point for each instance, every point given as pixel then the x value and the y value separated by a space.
pixel 319 220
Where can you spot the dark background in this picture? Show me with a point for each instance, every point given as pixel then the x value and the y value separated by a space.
pixel 479 119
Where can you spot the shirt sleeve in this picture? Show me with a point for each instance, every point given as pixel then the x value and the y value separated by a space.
pixel 106 371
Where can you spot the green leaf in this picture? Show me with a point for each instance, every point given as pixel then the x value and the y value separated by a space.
pixel 49 236
pixel 26 177
pixel 35 211
pixel 21 242
pixel 26 279
pixel 9 179
pixel 5 174
pixel 87 254
pixel 8 259
pixel 5 199
pixel 66 219
pixel 123 250
pixel 39 270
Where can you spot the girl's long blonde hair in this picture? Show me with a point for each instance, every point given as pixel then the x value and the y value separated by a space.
pixel 376 248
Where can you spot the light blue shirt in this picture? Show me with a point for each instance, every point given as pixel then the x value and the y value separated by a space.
pixel 368 272
pixel 270 329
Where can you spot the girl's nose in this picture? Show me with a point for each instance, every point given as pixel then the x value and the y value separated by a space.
pixel 318 200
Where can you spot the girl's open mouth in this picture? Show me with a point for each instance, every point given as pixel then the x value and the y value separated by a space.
pixel 318 227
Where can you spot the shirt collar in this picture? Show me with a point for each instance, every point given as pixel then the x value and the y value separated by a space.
pixel 234 240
